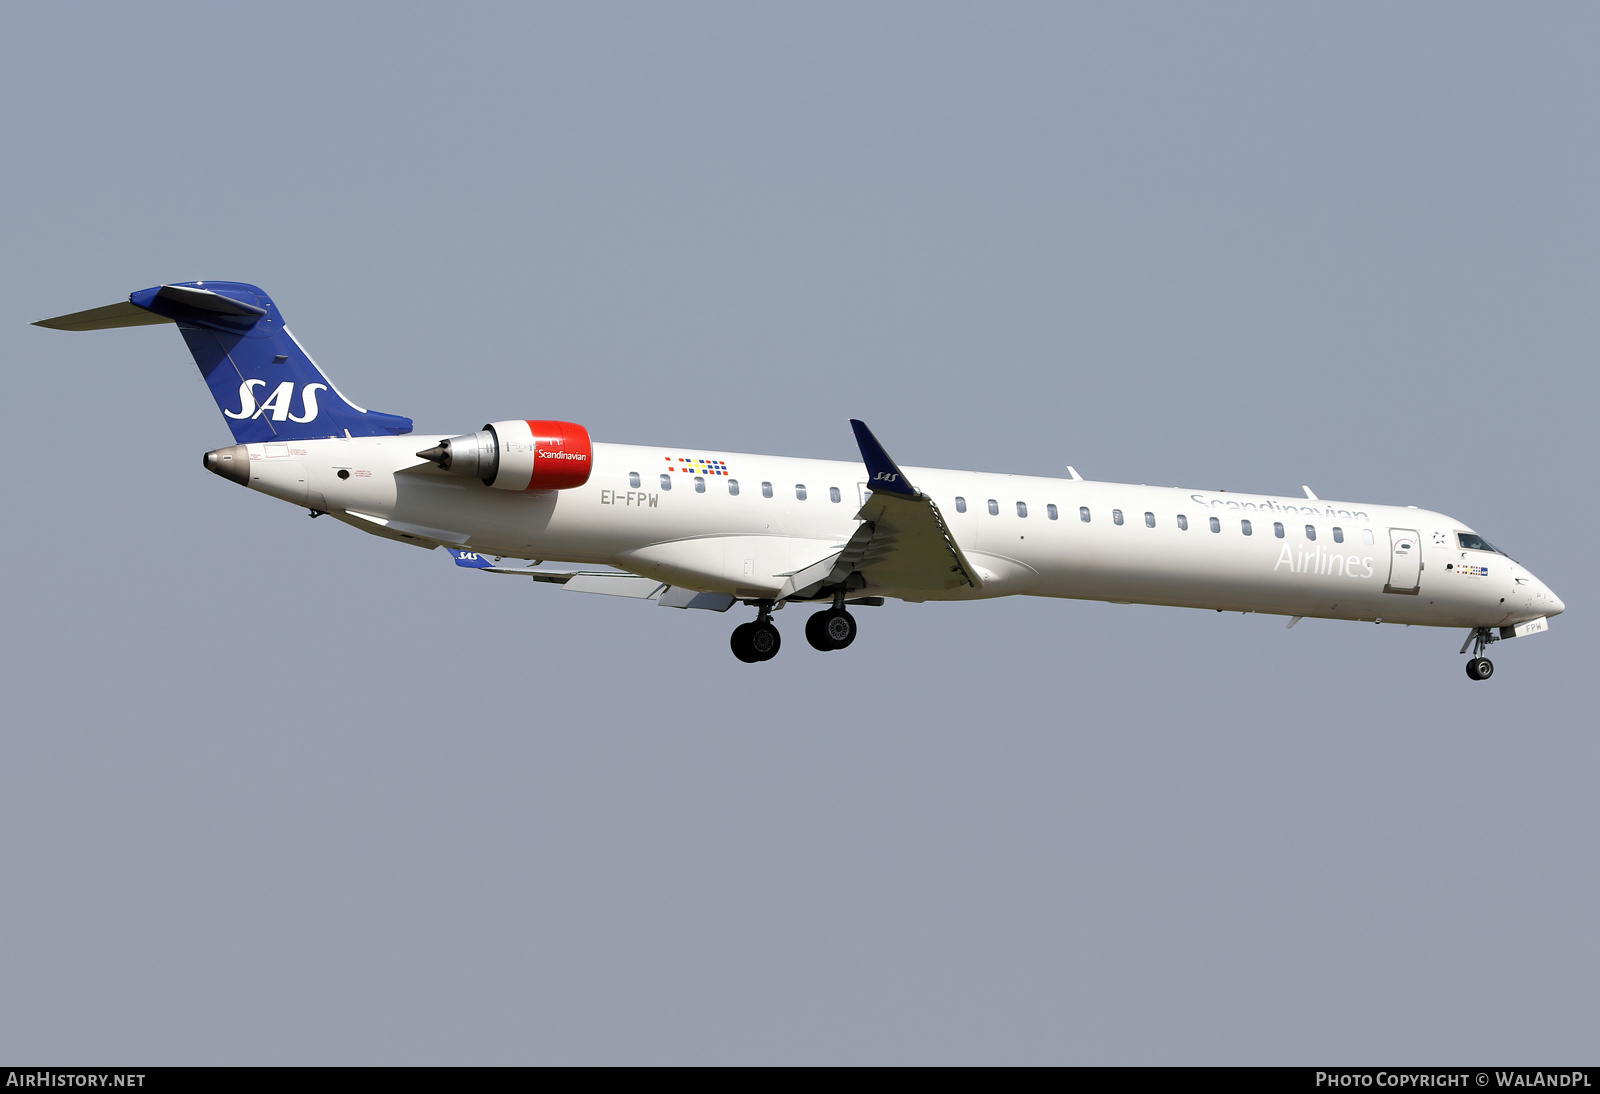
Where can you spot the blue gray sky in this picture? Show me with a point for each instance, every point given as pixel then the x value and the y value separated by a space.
pixel 276 792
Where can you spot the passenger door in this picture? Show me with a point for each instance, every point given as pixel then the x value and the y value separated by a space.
pixel 1405 561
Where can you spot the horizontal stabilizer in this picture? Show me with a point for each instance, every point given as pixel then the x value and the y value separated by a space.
pixel 123 314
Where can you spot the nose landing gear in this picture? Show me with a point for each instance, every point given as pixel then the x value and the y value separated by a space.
pixel 1479 667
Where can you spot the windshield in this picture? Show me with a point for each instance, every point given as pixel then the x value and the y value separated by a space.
pixel 1471 542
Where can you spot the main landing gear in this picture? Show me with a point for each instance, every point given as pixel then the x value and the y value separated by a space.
pixel 1479 667
pixel 758 641
pixel 831 629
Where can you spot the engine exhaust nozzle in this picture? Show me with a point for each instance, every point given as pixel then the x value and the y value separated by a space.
pixel 476 455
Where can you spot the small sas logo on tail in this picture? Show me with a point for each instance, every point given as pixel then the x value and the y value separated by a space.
pixel 277 402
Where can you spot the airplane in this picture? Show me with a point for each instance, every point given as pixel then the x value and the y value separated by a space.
pixel 694 528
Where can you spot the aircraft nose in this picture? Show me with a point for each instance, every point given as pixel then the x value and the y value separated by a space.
pixel 1544 599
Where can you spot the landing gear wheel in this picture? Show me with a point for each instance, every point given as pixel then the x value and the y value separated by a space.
pixel 758 640
pixel 764 640
pixel 833 629
pixel 743 648
pixel 740 640
pixel 840 627
pixel 815 635
pixel 1480 668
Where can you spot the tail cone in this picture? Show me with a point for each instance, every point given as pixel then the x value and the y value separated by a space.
pixel 232 462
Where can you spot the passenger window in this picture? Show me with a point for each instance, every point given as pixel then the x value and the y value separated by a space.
pixel 1277 528
pixel 961 504
pixel 1216 525
pixel 766 490
pixel 1051 511
pixel 1338 534
pixel 1366 534
pixel 1149 520
pixel 1244 526
pixel 994 508
pixel 799 491
pixel 1116 516
pixel 733 487
pixel 633 479
pixel 1183 523
pixel 666 482
pixel 833 493
pixel 1083 513
pixel 1311 531
pixel 699 484
pixel 1022 508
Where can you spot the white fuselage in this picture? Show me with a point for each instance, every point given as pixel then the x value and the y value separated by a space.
pixel 1366 562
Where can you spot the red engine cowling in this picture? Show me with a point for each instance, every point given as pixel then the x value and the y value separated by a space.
pixel 537 455
pixel 519 455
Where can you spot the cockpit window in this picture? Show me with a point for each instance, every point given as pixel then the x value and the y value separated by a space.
pixel 1470 542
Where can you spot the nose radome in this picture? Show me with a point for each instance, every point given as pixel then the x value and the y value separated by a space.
pixel 1544 598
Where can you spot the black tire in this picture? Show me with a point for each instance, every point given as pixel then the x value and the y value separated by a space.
pixel 741 645
pixel 1480 668
pixel 815 634
pixel 839 627
pixel 764 640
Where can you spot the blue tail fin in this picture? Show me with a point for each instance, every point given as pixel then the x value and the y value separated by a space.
pixel 267 387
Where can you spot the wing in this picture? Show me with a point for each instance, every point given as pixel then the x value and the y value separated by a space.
pixel 903 541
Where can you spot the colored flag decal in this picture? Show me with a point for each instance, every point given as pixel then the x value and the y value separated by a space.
pixel 696 466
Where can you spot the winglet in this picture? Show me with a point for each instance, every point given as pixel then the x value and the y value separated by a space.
pixel 883 475
pixel 472 560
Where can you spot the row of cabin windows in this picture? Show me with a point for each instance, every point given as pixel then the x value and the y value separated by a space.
pixel 1245 526
pixel 733 487
pixel 1022 508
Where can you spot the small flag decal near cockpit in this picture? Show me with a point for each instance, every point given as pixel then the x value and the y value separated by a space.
pixel 696 466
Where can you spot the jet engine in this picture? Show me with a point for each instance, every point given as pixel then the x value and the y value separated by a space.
pixel 525 455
